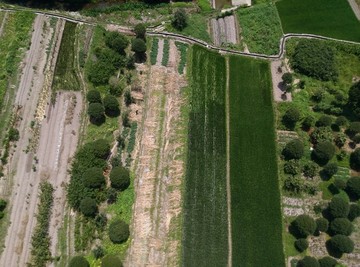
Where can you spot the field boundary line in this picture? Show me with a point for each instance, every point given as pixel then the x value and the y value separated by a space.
pixel 228 187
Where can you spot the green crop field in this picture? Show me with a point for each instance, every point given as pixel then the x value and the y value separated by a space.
pixel 255 197
pixel 205 241
pixel 65 77
pixel 332 18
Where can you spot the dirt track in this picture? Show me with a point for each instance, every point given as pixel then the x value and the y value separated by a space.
pixel 159 169
pixel 28 165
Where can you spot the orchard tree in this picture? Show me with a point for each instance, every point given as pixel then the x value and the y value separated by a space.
pixel 119 231
pixel 120 178
pixel 93 178
pixel 324 121
pixel 338 208
pixel 322 225
pixel 291 117
pixel 353 187
pixel 111 105
pixel 341 244
pixel 355 159
pixel 308 261
pixel 116 41
pixel 327 262
pixel 303 226
pixel 293 149
pixel 111 261
pixel 354 212
pixel 100 148
pixel 354 99
pixel 96 113
pixel 140 30
pixel 307 123
pixel 354 128
pixel 324 152
pixel 93 96
pixel 79 261
pixel 179 20
pixel 330 169
pixel 341 121
pixel 301 244
pixel 139 47
pixel 341 226
pixel 88 207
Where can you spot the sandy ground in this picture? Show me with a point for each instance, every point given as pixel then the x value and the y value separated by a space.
pixel 278 89
pixel 355 7
pixel 159 169
pixel 27 173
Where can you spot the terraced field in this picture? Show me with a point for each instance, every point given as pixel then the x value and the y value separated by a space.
pixel 255 196
pixel 205 241
pixel 332 18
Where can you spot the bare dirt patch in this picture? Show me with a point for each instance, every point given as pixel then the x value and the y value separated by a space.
pixel 224 30
pixel 278 88
pixel 159 169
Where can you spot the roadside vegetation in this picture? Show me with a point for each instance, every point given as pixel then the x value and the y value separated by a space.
pixel 261 35
pixel 331 18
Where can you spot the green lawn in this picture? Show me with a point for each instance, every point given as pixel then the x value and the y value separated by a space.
pixel 332 18
pixel 205 241
pixel 255 197
pixel 261 35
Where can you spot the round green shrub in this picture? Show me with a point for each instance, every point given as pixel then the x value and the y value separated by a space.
pixel 322 224
pixel 340 139
pixel 355 159
pixel 338 208
pixel 308 261
pixel 292 167
pixel 118 231
pixel 111 261
pixel 120 178
pixel 140 30
pixel 304 226
pixel 301 244
pixel 93 178
pixel 341 244
pixel 98 252
pixel 93 96
pixel 307 123
pixel 324 121
pixel 354 128
pixel 116 41
pixel 291 117
pixel 310 169
pixel 79 261
pixel 341 226
pixel 321 134
pixel 96 112
pixel 111 105
pixel 324 151
pixel 138 45
pixel 356 138
pixel 293 150
pixel 101 148
pixel 327 262
pixel 353 187
pixel 341 121
pixel 88 207
pixel 330 169
pixel 340 183
pixel 354 212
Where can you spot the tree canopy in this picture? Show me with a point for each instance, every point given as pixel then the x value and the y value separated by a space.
pixel 291 117
pixel 293 149
pixel 353 187
pixel 338 208
pixel 116 41
pixel 79 261
pixel 111 261
pixel 140 30
pixel 111 105
pixel 93 96
pixel 341 226
pixel 341 244
pixel 120 178
pixel 88 207
pixel 304 226
pixel 354 99
pixel 94 178
pixel 324 151
pixel 118 231
pixel 179 21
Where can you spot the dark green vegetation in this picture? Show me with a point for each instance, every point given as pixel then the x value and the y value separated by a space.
pixel 120 178
pixel 79 261
pixel 182 48
pixel 166 50
pixel 111 261
pixel 40 242
pixel 65 76
pixel 154 51
pixel 253 164
pixel 261 35
pixel 119 231
pixel 205 241
pixel 332 18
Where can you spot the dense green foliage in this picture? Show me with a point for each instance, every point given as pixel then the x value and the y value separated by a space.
pixel 308 261
pixel 322 224
pixel 330 169
pixel 354 211
pixel 332 18
pixel 355 159
pixel 205 232
pixel 303 226
pixel 94 178
pixel 96 113
pixel 111 105
pixel 324 151
pixel 341 244
pixel 140 30
pixel 179 21
pixel 291 117
pixel 111 261
pixel 79 261
pixel 324 121
pixel 341 226
pixel 354 99
pixel 354 128
pixel 119 231
pixel 353 187
pixel 3 204
pixel 116 41
pixel 40 241
pixel 252 141
pixel 260 35
pixel 327 262
pixel 120 178
pixel 338 208
pixel 93 96
pixel 88 207
pixel 294 150
pixel 301 244
pixel 314 59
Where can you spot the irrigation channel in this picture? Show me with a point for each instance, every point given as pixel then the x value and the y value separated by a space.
pixel 154 31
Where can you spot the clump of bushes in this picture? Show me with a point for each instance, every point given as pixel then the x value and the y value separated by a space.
pixel 79 261
pixel 88 207
pixel 294 150
pixel 94 178
pixel 324 151
pixel 341 226
pixel 301 244
pixel 353 187
pixel 303 226
pixel 327 262
pixel 291 117
pixel 111 261
pixel 322 225
pixel 355 159
pixel 338 208
pixel 119 231
pixel 308 261
pixel 340 244
pixel 120 178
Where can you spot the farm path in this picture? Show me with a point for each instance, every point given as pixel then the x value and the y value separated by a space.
pixel 3 22
pixel 160 168
pixel 30 100
pixel 355 7
pixel 278 89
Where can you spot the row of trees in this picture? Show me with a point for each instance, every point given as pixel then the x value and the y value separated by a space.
pixel 108 261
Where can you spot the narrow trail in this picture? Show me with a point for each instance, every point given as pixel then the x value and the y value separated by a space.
pixel 3 22
pixel 228 186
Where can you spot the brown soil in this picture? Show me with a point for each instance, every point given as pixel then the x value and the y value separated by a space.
pixel 159 168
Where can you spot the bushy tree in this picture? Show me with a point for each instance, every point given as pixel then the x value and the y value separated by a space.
pixel 353 187
pixel 116 41
pixel 293 150
pixel 112 195
pixel 287 78
pixel 340 139
pixel 355 159
pixel 293 184
pixel 100 71
pixel 93 96
pixel 139 47
pixel 14 134
pixel 118 231
pixel 111 105
pixel 354 212
pixel 120 178
pixel 98 252
pixel 330 169
pixel 327 262
pixel 307 123
pixel 304 226
pixel 292 167
pixel 315 59
pixel 341 121
pixel 341 244
pixel 301 244
pixel 341 226
pixel 310 169
pixel 111 261
pixel 88 207
pixel 140 30
pixel 79 261
pixel 179 21
pixel 291 117
pixel 324 151
pixel 354 99
pixel 3 204
pixel 308 261
pixel 321 134
pixel 338 208
pixel 94 178
pixel 340 183
pixel 110 57
pixel 96 113
pixel 322 225
pixel 354 128
pixel 101 148
pixel 324 121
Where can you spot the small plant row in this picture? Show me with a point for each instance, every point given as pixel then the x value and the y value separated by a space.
pixel 40 241
pixel 182 48
pixel 165 58
pixel 154 51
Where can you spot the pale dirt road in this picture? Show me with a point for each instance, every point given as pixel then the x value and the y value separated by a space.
pixel 355 7
pixel 278 88
pixel 32 95
pixel 160 168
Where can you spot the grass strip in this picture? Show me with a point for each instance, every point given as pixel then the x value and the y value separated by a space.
pixel 165 58
pixel 255 197
pixel 65 76
pixel 332 18
pixel 182 48
pixel 205 241
pixel 154 51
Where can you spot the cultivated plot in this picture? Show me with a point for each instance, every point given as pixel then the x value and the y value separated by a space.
pixel 332 18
